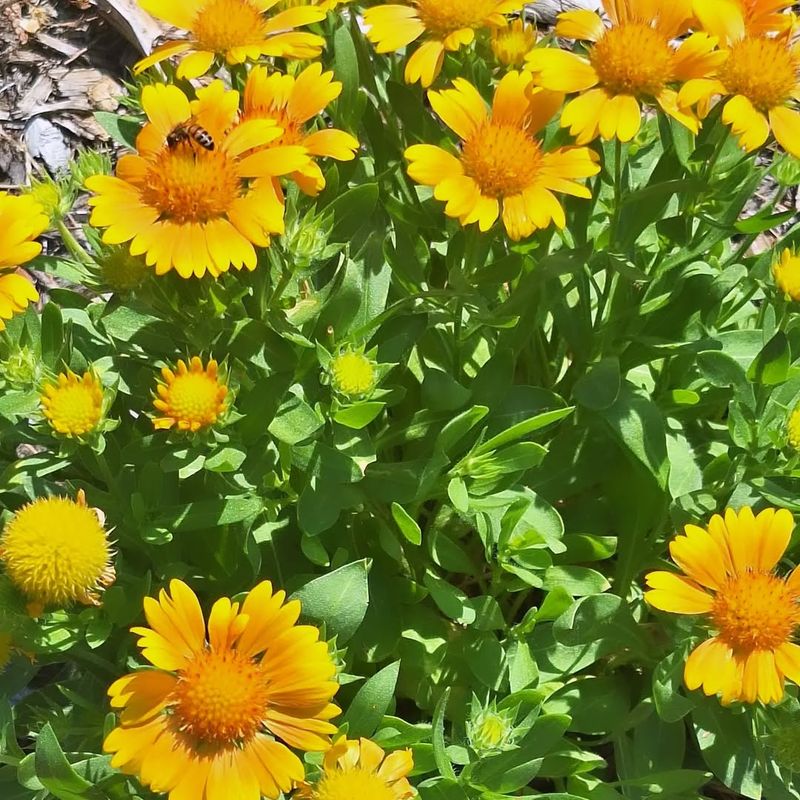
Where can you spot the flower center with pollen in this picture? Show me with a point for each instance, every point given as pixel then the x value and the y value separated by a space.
pixel 442 17
pixel 194 397
pixel 221 25
pixel 187 183
pixel 501 159
pixel 353 783
pixel 762 70
pixel 755 611
pixel 633 59
pixel 220 698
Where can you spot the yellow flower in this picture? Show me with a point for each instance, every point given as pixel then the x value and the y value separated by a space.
pixel 360 769
pixel 512 43
pixel 502 166
pixel 55 551
pixel 630 63
pixel 441 24
pixel 236 30
pixel 191 207
pixel 786 272
pixel 758 79
pixel 212 718
pixel 190 398
pixel 734 16
pixel 353 373
pixel 793 428
pixel 729 578
pixel 22 219
pixel 72 405
pixel 290 103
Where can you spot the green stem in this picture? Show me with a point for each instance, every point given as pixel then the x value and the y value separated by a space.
pixel 617 191
pixel 74 246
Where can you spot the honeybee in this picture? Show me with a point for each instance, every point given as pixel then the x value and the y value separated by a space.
pixel 190 132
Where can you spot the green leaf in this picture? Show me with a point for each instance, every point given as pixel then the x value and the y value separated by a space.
pixel 352 210
pixel 371 702
pixel 439 752
pixel 457 492
pixel 452 602
pixel 407 524
pixel 522 669
pixel 52 335
pixel 339 599
pixel 458 427
pixel 122 130
pixel 209 513
pixel 523 429
pixel 598 389
pixel 576 580
pixel 596 704
pixel 358 415
pixel 345 66
pixel 228 459
pixel 771 365
pixel 54 771
pixel 295 422
pixel 600 617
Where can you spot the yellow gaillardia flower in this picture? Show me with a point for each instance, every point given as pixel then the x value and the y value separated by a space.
pixel 236 30
pixel 190 398
pixel 56 552
pixel 786 272
pixel 729 578
pixel 502 167
pixel 630 63
pixel 442 25
pixel 73 405
pixel 215 716
pixel 736 16
pixel 325 5
pixel 352 373
pixel 512 43
pixel 759 78
pixel 290 103
pixel 191 204
pixel 22 219
pixel 361 769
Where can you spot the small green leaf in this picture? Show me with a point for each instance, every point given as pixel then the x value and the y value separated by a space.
pixel 457 492
pixel 371 702
pixel 439 748
pixel 54 771
pixel 407 524
pixel 771 365
pixel 339 599
pixel 358 415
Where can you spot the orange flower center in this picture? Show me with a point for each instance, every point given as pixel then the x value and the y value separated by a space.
pixel 221 25
pixel 762 70
pixel 353 783
pixel 755 611
pixel 442 17
pixel 220 698
pixel 502 159
pixel 195 397
pixel 633 59
pixel 187 183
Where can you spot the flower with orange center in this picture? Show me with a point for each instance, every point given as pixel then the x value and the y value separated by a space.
pixel 73 405
pixel 22 219
pixel 215 716
pixel 290 103
pixel 729 578
pixel 236 30
pixel 737 16
pixel 759 79
pixel 441 24
pixel 190 398
pixel 630 63
pixel 512 43
pixel 503 167
pixel 361 769
pixel 198 194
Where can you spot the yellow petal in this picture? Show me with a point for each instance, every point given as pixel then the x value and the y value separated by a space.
pixel 580 24
pixel 746 122
pixel 785 123
pixel 709 665
pixel 676 594
pixel 620 118
pixel 425 63
pixel 461 108
pixel 559 70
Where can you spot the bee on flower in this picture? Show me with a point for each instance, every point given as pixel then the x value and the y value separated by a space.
pixel 631 63
pixel 193 207
pixel 502 168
